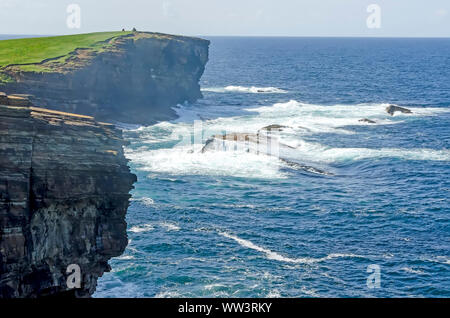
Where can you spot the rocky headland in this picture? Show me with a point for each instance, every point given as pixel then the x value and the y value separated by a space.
pixel 64 180
pixel 132 78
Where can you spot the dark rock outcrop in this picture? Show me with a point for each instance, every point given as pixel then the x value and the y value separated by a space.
pixel 260 144
pixel 367 121
pixel 135 80
pixel 391 109
pixel 249 141
pixel 64 192
pixel 302 167
pixel 274 127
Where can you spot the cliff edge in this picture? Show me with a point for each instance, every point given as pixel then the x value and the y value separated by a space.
pixel 64 192
pixel 130 77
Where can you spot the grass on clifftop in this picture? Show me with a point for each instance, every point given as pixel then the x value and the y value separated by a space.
pixel 53 54
pixel 36 50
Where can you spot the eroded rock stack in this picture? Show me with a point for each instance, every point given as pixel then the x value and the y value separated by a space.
pixel 64 192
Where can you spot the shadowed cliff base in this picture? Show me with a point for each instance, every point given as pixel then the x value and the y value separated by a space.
pixel 129 77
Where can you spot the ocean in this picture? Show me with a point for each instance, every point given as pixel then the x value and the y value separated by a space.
pixel 233 223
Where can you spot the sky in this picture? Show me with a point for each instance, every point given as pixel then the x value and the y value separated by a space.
pixel 391 18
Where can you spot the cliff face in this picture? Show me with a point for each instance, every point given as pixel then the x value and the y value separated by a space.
pixel 64 192
pixel 135 80
pixel 64 180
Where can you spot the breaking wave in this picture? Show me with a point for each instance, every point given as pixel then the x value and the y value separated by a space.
pixel 245 89
pixel 319 153
pixel 141 228
pixel 300 120
pixel 181 161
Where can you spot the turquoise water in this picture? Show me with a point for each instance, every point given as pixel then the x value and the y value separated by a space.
pixel 231 223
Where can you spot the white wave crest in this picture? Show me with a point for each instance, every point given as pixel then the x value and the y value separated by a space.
pixel 412 271
pixel 342 110
pixel 214 286
pixel 319 153
pixel 438 259
pixel 144 200
pixel 126 257
pixel 277 257
pixel 141 228
pixel 322 118
pixel 274 294
pixel 301 119
pixel 180 161
pixel 170 226
pixel 245 89
pixel 168 294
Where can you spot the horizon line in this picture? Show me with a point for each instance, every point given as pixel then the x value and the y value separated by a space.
pixel 250 36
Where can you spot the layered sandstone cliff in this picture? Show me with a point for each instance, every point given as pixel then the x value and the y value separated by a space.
pixel 135 79
pixel 64 192
pixel 64 180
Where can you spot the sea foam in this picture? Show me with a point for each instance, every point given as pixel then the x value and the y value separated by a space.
pixel 141 228
pixel 278 257
pixel 319 153
pixel 245 89
pixel 180 161
pixel 302 119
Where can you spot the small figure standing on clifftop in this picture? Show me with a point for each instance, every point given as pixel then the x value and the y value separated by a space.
pixel 123 30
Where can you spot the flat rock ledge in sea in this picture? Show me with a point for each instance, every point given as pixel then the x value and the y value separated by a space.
pixel 64 193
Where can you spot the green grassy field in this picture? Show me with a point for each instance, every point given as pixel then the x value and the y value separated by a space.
pixel 36 50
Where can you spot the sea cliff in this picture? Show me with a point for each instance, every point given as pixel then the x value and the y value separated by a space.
pixel 64 179
pixel 64 193
pixel 131 78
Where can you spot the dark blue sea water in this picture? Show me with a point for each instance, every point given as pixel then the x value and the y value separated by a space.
pixel 230 223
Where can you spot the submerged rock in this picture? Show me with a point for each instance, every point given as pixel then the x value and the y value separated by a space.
pixel 274 127
pixel 298 166
pixel 259 144
pixel 246 140
pixel 368 121
pixel 64 192
pixel 391 109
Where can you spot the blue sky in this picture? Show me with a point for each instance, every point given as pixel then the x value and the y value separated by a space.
pixel 412 18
